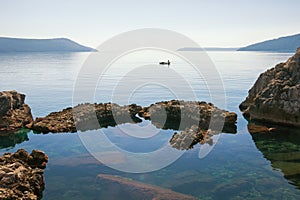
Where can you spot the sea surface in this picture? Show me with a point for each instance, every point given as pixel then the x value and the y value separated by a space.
pixel 237 167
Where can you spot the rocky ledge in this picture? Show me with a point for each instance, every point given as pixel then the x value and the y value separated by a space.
pixel 82 117
pixel 180 115
pixel 14 113
pixel 275 96
pixel 21 175
pixel 168 114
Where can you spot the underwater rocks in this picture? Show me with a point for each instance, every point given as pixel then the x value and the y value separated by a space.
pixel 86 117
pixel 275 96
pixel 180 115
pixel 191 136
pixel 281 147
pixel 130 189
pixel 21 175
pixel 14 113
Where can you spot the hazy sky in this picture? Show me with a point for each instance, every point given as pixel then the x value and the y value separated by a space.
pixel 222 23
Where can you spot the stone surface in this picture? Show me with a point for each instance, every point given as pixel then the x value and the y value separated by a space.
pixel 169 114
pixel 21 175
pixel 275 96
pixel 82 117
pixel 137 190
pixel 180 115
pixel 14 113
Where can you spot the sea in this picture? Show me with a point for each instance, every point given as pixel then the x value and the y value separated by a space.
pixel 236 166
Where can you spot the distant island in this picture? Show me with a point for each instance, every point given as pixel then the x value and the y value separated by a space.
pixel 207 49
pixel 282 44
pixel 8 45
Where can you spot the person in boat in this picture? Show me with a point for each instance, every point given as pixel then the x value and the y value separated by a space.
pixel 165 63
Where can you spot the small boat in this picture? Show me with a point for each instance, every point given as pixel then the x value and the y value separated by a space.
pixel 165 63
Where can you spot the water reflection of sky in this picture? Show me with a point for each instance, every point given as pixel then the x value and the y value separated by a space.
pixel 235 168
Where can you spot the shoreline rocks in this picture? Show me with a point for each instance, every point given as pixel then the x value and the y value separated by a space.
pixel 82 117
pixel 275 96
pixel 14 113
pixel 180 115
pixel 21 175
pixel 167 114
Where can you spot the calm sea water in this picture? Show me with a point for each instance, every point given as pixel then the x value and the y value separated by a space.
pixel 238 167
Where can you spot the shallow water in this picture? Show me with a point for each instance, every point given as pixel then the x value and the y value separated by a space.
pixel 238 166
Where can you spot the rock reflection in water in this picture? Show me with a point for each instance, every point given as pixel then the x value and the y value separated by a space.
pixel 281 146
pixel 11 139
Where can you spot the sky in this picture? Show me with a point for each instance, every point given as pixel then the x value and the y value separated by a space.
pixel 211 23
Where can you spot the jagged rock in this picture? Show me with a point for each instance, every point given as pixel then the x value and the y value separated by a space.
pixel 177 114
pixel 14 113
pixel 275 96
pixel 21 175
pixel 82 117
pixel 137 190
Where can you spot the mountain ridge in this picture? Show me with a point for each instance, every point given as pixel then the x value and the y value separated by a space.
pixel 8 44
pixel 281 44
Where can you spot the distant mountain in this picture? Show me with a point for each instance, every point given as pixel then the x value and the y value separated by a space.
pixel 283 44
pixel 207 49
pixel 41 45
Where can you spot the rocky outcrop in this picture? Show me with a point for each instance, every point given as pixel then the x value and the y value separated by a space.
pixel 177 114
pixel 275 96
pixel 82 117
pixel 21 175
pixel 130 189
pixel 14 113
pixel 185 114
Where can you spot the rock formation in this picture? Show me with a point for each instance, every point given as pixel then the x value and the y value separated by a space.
pixel 275 97
pixel 82 117
pixel 185 114
pixel 130 189
pixel 21 175
pixel 14 113
pixel 181 115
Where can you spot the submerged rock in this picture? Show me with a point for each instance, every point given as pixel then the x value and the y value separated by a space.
pixel 14 113
pixel 129 189
pixel 21 175
pixel 191 136
pixel 281 146
pixel 275 96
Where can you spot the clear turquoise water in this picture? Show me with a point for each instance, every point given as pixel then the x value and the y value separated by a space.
pixel 238 167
